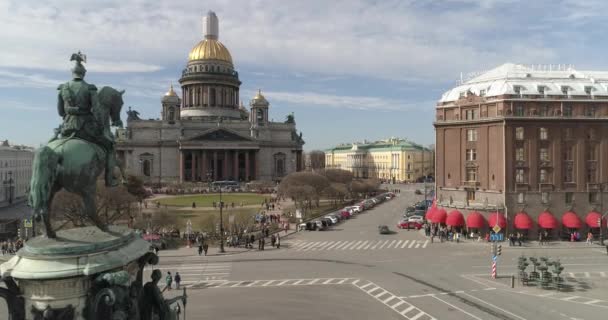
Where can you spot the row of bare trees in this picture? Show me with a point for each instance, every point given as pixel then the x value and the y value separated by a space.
pixel 113 204
pixel 307 188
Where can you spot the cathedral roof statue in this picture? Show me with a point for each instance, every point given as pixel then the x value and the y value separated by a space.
pixel 210 48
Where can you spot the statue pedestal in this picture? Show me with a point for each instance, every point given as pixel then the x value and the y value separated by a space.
pixel 61 276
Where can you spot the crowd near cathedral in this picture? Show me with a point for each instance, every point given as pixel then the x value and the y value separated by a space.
pixel 206 133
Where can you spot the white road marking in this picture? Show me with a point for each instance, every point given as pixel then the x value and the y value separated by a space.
pixel 455 307
pixel 382 246
pixel 338 247
pixel 570 298
pixel 350 243
pixel 333 245
pixel 405 243
pixel 328 281
pixel 363 244
pixel 355 245
pixel 408 309
pixel 374 247
pixel 417 316
pixel 391 244
pixel 316 246
pixel 323 247
pixel 307 245
pixel 365 286
pixel 494 306
pixel 603 274
pixel 368 245
pixel 592 301
pixel 411 244
pixel 398 243
pixel 417 245
pixel 425 243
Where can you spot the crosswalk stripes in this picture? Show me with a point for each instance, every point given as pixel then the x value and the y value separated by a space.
pixel 405 309
pixel 587 275
pixel 195 272
pixel 569 298
pixel 274 283
pixel 307 246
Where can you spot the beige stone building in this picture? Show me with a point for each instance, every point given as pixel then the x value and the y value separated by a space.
pixel 206 133
pixel 390 160
pixel 528 142
pixel 15 173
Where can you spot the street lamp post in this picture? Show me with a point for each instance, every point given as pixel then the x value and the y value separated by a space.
pixel 209 175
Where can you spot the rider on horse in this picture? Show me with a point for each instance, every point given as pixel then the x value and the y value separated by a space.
pixel 75 105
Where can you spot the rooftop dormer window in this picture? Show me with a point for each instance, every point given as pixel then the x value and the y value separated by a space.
pixel 517 90
pixel 589 90
pixel 482 92
pixel 566 90
pixel 541 90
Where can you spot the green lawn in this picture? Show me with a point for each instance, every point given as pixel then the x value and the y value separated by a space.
pixel 206 200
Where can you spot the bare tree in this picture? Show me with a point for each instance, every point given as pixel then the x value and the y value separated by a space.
pixel 113 204
pixel 317 160
pixel 338 175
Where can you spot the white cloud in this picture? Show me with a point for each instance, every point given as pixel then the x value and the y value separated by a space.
pixel 391 39
pixel 17 105
pixel 12 79
pixel 341 101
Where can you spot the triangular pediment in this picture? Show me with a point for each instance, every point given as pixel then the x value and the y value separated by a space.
pixel 219 135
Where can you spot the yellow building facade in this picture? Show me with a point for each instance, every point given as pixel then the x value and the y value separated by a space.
pixel 393 159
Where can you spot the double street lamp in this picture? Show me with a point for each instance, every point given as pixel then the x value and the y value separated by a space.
pixel 209 179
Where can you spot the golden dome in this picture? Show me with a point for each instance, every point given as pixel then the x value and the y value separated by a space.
pixel 171 93
pixel 210 49
pixel 259 96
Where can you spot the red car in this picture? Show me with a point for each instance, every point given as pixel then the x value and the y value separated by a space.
pixel 345 214
pixel 403 224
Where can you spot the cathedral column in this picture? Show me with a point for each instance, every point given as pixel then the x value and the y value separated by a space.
pixel 236 165
pixel 193 166
pixel 209 96
pixel 204 165
pixel 256 166
pixel 181 166
pixel 247 165
pixel 225 164
pixel 214 165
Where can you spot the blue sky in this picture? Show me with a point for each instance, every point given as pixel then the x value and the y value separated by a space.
pixel 349 69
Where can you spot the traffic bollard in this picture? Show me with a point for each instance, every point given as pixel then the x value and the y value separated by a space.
pixel 512 281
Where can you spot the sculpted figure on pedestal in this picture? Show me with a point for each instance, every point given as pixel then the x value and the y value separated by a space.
pixel 82 148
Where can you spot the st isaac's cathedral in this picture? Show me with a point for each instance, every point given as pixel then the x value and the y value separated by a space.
pixel 207 134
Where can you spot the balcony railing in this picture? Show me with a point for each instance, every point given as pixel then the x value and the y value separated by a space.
pixel 545 186
pixel 470 184
pixel 593 187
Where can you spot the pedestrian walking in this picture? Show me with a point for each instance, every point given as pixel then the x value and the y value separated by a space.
pixel 260 243
pixel 273 240
pixel 263 243
pixel 205 248
pixel 178 280
pixel 156 250
pixel 278 241
pixel 519 238
pixel 589 237
pixel 200 249
pixel 168 280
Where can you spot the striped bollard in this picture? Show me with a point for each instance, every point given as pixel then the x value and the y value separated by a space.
pixel 493 269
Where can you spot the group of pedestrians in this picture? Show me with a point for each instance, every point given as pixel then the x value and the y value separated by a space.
pixel 169 279
pixel 11 247
pixel 515 237
pixel 445 233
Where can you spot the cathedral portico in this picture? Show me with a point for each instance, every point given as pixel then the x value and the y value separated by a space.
pixel 205 132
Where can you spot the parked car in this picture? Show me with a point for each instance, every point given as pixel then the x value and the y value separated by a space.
pixel 321 225
pixel 311 226
pixel 383 229
pixel 328 221
pixel 419 219
pixel 345 214
pixel 333 219
pixel 357 208
pixel 403 224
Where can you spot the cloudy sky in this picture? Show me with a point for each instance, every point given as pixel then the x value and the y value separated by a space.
pixel 349 69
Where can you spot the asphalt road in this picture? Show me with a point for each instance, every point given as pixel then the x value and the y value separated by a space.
pixel 353 272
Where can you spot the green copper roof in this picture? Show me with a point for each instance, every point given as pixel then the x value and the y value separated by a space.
pixel 385 145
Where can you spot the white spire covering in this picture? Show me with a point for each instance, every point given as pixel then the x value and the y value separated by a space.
pixel 211 28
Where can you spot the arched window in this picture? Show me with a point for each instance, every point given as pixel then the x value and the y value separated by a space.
pixel 279 164
pixel 147 168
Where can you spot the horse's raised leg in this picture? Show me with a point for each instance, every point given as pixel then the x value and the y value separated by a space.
pixel 90 209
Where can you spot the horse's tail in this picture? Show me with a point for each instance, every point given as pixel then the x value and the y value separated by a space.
pixel 44 172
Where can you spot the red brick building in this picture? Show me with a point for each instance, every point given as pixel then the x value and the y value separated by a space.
pixel 530 143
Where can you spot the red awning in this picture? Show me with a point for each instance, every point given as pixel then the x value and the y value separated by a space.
pixel 455 219
pixel 547 221
pixel 592 219
pixel 522 221
pixel 497 218
pixel 439 216
pixel 571 220
pixel 475 220
pixel 429 213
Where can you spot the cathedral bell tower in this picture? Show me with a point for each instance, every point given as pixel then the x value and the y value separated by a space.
pixel 259 110
pixel 171 106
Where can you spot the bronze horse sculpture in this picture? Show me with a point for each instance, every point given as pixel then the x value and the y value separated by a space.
pixel 73 164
